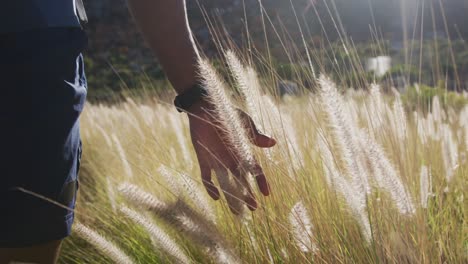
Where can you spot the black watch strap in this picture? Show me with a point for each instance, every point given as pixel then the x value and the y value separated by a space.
pixel 188 98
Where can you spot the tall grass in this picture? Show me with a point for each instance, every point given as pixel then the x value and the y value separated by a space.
pixel 357 176
pixel 375 184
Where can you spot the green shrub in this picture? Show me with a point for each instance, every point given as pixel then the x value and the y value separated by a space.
pixel 423 99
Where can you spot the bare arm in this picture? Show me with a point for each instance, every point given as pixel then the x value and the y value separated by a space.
pixel 165 27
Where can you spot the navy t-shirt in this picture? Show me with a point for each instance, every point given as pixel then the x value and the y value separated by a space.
pixel 22 15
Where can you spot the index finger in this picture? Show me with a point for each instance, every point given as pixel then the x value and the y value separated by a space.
pixel 254 135
pixel 249 197
pixel 259 176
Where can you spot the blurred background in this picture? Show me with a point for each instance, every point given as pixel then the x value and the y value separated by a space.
pixel 398 42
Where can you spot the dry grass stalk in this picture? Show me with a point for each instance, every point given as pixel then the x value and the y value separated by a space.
pixel 160 238
pixel 302 228
pixel 105 246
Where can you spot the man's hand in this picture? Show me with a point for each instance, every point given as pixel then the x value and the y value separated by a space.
pixel 214 153
pixel 173 44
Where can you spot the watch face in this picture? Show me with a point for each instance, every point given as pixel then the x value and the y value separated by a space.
pixel 178 105
pixel 186 99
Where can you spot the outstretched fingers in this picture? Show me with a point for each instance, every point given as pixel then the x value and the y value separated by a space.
pixel 231 188
pixel 248 196
pixel 212 190
pixel 262 183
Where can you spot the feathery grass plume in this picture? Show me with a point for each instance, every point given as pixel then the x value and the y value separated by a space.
pixel 302 228
pixel 272 122
pixel 249 85
pixel 125 114
pixel 147 115
pixel 352 194
pixel 170 179
pixel 141 198
pixel 452 115
pixel 284 253
pixel 355 198
pixel 343 133
pixel 270 257
pixel 386 176
pixel 465 128
pixel 449 151
pixel 463 117
pixel 434 127
pixel 459 134
pixel 178 214
pixel 201 231
pixel 92 121
pixel 235 131
pixel 181 216
pixel 85 135
pixel 437 110
pixel 297 159
pixel 376 110
pixel 312 112
pixel 198 197
pixel 179 181
pixel 184 219
pixel 466 138
pixel 356 201
pixel 130 119
pixel 111 194
pixel 251 235
pixel 273 115
pixel 224 109
pixel 225 257
pixel 328 161
pixel 399 117
pixel 162 116
pixel 178 129
pixel 421 127
pixel 161 239
pixel 123 157
pixel 242 79
pixel 424 185
pixel 233 191
pixel 254 96
pixel 103 134
pixel 353 110
pixel 265 112
pixel 173 154
pixel 109 249
pixel 356 189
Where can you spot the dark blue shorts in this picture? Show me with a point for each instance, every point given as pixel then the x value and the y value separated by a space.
pixel 42 91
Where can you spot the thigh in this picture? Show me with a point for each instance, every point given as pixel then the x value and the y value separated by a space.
pixel 46 253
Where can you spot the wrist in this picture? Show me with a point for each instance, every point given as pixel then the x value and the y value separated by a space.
pixel 199 108
pixel 191 99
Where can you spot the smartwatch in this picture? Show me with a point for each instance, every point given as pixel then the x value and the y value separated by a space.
pixel 185 100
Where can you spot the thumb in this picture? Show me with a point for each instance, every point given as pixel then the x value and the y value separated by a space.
pixel 264 141
pixel 255 136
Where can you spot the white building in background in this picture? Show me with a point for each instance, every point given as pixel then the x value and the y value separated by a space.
pixel 379 65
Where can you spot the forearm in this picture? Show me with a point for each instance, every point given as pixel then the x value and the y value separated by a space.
pixel 165 27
